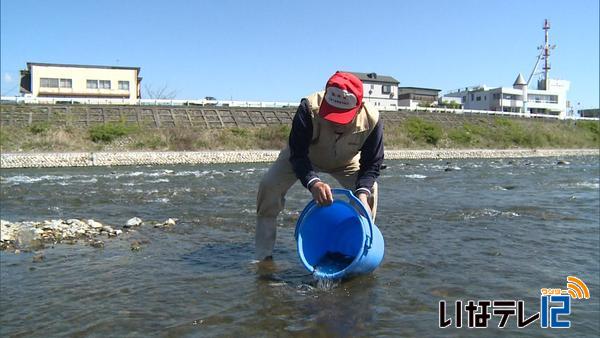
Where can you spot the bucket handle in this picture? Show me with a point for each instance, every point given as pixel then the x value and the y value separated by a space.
pixel 361 210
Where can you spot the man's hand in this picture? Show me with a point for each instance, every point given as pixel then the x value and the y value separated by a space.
pixel 363 199
pixel 321 193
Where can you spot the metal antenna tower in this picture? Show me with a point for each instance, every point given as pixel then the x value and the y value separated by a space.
pixel 545 55
pixel 547 49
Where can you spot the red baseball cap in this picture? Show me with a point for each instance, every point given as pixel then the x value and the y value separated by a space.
pixel 343 98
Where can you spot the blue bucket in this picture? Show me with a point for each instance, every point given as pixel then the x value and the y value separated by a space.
pixel 339 240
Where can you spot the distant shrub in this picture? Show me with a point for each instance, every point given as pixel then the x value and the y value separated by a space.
pixel 460 136
pixel 274 133
pixel 153 142
pixel 39 128
pixel 4 138
pixel 591 126
pixel 503 122
pixel 475 129
pixel 237 131
pixel 419 129
pixel 110 131
pixel 183 139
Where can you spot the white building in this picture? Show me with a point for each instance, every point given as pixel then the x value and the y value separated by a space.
pixel 70 81
pixel 519 98
pixel 379 90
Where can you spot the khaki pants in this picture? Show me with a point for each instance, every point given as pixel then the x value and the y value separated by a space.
pixel 274 186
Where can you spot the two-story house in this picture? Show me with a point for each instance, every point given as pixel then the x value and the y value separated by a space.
pixel 379 90
pixel 80 81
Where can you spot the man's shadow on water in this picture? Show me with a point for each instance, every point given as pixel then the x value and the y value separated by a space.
pixel 238 257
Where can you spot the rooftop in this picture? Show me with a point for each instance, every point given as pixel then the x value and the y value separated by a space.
pixel 29 64
pixel 374 77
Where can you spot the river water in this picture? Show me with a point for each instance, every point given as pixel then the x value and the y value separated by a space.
pixel 481 230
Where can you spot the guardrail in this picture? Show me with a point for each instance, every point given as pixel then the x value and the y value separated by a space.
pixel 492 112
pixel 255 104
pixel 146 102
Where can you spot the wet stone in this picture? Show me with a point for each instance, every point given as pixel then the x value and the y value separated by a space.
pixel 133 222
pixel 35 235
pixel 38 257
pixel 136 245
pixel 97 244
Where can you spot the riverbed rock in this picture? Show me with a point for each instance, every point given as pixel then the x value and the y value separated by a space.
pixel 38 257
pixel 94 225
pixel 136 245
pixel 8 231
pixel 166 224
pixel 32 235
pixel 97 244
pixel 563 162
pixel 133 222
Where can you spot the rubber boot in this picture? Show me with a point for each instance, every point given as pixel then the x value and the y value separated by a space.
pixel 266 231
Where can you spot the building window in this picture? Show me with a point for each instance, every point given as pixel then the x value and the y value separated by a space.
pixel 48 82
pixel 386 89
pixel 478 98
pixel 66 83
pixel 472 97
pixel 123 85
pixel 92 84
pixel 104 84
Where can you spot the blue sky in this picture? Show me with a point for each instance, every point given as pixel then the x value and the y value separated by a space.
pixel 284 50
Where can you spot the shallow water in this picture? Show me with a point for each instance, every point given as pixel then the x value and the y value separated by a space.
pixel 488 229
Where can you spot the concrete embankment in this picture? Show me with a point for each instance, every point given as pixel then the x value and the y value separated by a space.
pixel 88 159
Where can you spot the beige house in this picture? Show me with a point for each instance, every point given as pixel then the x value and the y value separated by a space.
pixel 73 82
pixel 414 96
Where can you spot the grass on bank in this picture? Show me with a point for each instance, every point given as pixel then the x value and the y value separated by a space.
pixel 413 133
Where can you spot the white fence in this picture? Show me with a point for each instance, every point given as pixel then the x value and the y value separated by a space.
pixel 255 104
pixel 492 112
pixel 146 102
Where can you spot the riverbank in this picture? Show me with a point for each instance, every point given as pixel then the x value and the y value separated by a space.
pixel 402 131
pixel 93 159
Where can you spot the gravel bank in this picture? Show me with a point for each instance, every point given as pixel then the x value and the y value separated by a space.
pixel 86 159
pixel 35 235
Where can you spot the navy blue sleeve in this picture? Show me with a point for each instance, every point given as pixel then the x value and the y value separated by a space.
pixel 299 141
pixel 371 158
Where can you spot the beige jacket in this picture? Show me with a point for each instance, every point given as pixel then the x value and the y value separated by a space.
pixel 330 152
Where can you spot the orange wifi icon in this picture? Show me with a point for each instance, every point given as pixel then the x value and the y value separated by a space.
pixel 577 288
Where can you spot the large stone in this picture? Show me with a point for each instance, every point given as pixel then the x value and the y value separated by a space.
pixel 93 224
pixel 170 222
pixel 133 222
pixel 7 234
